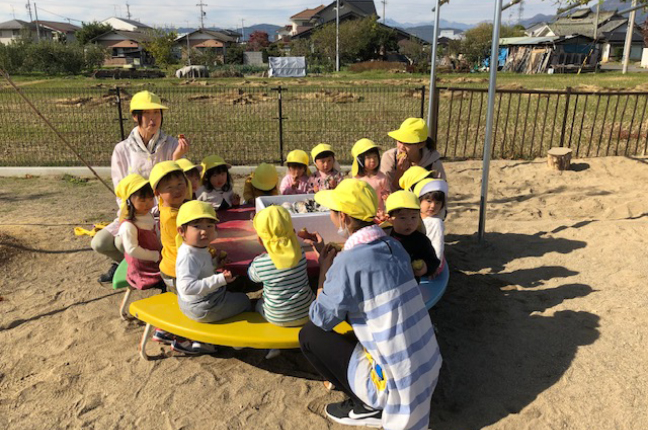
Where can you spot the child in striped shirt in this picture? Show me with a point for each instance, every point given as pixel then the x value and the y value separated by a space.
pixel 282 270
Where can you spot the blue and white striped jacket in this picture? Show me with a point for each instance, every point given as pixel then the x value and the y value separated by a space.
pixel 372 287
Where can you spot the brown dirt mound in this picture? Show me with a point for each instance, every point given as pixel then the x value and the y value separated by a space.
pixel 512 86
pixel 463 80
pixel 90 101
pixel 239 97
pixel 332 96
pixel 454 95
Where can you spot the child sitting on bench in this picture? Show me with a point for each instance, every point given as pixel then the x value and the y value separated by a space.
pixel 202 295
pixel 282 269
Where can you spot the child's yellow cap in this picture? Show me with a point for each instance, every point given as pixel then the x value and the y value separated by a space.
pixel 186 165
pixel 359 148
pixel 297 156
pixel 193 210
pixel 126 188
pixel 265 177
pixel 160 170
pixel 412 130
pixel 402 200
pixel 322 147
pixel 274 226
pixel 353 197
pixel 413 176
pixel 211 161
pixel 431 185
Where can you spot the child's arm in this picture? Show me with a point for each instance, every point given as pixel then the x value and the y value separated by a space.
pixel 426 252
pixel 128 233
pixel 435 231
pixel 248 192
pixel 187 269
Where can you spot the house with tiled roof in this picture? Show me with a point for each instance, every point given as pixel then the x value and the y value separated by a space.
pixel 205 40
pixel 16 28
pixel 610 33
pixel 298 22
pixel 125 24
pixel 61 31
pixel 124 47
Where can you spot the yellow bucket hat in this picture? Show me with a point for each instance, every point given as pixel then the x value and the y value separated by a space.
pixel 211 161
pixel 297 156
pixel 353 197
pixel 190 211
pixel 193 210
pixel 402 200
pixel 265 177
pixel 318 149
pixel 412 130
pixel 431 185
pixel 186 165
pixel 359 148
pixel 126 188
pixel 274 226
pixel 413 176
pixel 160 170
pixel 146 100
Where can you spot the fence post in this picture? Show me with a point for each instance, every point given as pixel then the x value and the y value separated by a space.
pixel 434 127
pixel 280 118
pixel 422 101
pixel 120 117
pixel 564 123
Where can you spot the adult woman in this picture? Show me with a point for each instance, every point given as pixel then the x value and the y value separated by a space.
pixel 389 372
pixel 413 148
pixel 145 146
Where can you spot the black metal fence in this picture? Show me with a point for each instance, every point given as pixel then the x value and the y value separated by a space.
pixel 252 124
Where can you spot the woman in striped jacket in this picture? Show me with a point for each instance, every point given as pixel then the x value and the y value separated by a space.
pixel 391 369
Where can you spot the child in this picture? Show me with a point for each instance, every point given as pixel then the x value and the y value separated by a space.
pixel 217 185
pixel 296 179
pixel 172 188
pixel 202 295
pixel 366 166
pixel 137 230
pixel 282 269
pixel 262 182
pixel 327 176
pixel 404 209
pixel 413 176
pixel 192 172
pixel 432 195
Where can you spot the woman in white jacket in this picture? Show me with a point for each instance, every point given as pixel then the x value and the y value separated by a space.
pixel 145 146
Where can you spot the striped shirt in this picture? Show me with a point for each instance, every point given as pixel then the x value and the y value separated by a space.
pixel 372 286
pixel 286 293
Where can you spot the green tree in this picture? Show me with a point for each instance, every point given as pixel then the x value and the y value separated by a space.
pixel 234 54
pixel 360 40
pixel 159 43
pixel 90 30
pixel 477 41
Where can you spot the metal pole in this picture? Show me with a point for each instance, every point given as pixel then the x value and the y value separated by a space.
pixel 119 113
pixel 497 22
pixel 628 40
pixel 337 35
pixel 37 23
pixel 435 40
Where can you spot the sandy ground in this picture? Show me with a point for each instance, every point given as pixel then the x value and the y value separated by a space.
pixel 543 327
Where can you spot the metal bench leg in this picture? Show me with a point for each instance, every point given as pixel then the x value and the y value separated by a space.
pixel 145 338
pixel 122 308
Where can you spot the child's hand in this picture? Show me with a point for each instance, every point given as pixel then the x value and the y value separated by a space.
pixel 236 199
pixel 327 256
pixel 313 239
pixel 315 189
pixel 402 163
pixel 229 278
pixel 332 183
pixel 182 149
pixel 420 268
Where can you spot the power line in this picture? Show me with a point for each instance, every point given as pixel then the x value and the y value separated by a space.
pixel 60 16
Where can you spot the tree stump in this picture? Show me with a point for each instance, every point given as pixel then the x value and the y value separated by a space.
pixel 559 158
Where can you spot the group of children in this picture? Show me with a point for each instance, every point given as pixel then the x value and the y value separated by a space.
pixel 176 253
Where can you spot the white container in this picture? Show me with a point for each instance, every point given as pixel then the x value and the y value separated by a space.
pixel 314 221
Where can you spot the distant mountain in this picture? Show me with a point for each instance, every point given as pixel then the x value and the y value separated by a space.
pixel 536 19
pixel 443 24
pixel 268 28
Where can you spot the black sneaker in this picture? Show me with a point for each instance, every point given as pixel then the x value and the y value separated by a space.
pixel 108 276
pixel 351 414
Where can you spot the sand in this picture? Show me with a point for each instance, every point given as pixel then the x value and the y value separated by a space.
pixel 544 326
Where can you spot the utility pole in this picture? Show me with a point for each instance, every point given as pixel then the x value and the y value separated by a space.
pixel 28 7
pixel 202 14
pixel 37 23
pixel 242 30
pixel 337 35
pixel 128 14
pixel 628 40
pixel 384 2
pixel 13 11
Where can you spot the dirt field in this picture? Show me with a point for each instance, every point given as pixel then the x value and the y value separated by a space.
pixel 542 327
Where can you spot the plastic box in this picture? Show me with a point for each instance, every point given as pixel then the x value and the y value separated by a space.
pixel 314 222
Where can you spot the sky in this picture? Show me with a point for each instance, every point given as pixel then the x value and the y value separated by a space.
pixel 229 13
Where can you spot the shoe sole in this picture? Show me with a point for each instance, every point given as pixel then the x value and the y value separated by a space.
pixel 185 351
pixel 374 423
